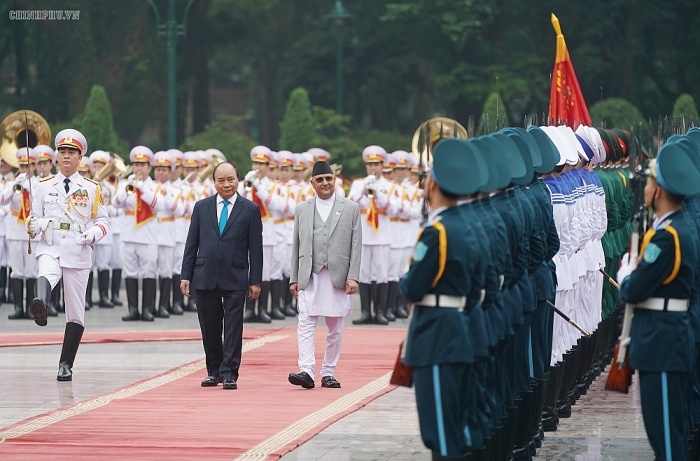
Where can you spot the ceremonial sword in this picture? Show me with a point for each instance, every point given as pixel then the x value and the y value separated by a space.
pixel 29 175
pixel 566 317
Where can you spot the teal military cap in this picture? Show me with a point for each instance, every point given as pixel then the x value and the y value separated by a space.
pixel 694 135
pixel 548 151
pixel 481 149
pixel 677 168
pixel 514 153
pixel 516 133
pixel 457 168
pixel 489 147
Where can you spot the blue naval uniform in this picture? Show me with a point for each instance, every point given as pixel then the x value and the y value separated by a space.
pixel 662 344
pixel 439 343
pixel 692 207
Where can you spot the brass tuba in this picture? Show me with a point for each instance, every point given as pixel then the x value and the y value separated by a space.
pixel 208 170
pixel 14 137
pixel 113 171
pixel 430 132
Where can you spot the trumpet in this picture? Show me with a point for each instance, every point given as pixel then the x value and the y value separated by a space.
pixel 369 191
pixel 130 184
pixel 248 183
pixel 18 188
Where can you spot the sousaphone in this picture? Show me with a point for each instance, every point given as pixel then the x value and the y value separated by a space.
pixel 430 132
pixel 12 130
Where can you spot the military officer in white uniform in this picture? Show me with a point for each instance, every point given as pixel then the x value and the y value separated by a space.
pixel 139 240
pixel 69 216
pixel 6 176
pixel 181 226
pixel 23 264
pixel 373 195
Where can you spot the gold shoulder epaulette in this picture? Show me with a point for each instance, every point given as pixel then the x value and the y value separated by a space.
pixel 47 178
pixel 93 181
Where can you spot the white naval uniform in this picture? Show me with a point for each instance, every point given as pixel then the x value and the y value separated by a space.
pixel 23 264
pixel 321 298
pixel 284 228
pixel 5 215
pixel 139 243
pixel 183 223
pixel 59 252
pixel 104 248
pixel 412 226
pixel 173 207
pixel 398 230
pixel 374 265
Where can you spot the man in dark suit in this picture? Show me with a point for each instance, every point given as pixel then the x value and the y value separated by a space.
pixel 225 234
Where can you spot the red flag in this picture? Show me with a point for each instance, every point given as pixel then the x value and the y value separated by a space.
pixel 373 216
pixel 263 209
pixel 566 101
pixel 25 208
pixel 143 212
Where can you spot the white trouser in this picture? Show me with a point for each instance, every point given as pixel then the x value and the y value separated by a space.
pixel 178 254
pixel 74 285
pixel 287 271
pixel 23 264
pixel 334 338
pixel 3 251
pixel 267 263
pixel 103 257
pixel 407 254
pixel 116 260
pixel 396 264
pixel 374 264
pixel 279 253
pixel 138 256
pixel 165 261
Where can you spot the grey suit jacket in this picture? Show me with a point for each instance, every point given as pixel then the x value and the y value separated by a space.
pixel 344 242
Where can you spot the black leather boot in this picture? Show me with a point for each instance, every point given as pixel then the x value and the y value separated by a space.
pixel 3 284
pixel 116 285
pixel 71 342
pixel 10 290
pixel 56 301
pixel 132 299
pixel 148 299
pixel 521 448
pixel 103 288
pixel 249 314
pixel 88 292
pixel 177 296
pixel 166 285
pixel 289 309
pixel 31 283
pixel 401 307
pixel 365 290
pixel 17 290
pixel 39 305
pixel 263 316
pixel 392 298
pixel 276 295
pixel 550 417
pixel 380 304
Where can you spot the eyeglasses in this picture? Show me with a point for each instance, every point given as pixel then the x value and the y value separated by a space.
pixel 322 179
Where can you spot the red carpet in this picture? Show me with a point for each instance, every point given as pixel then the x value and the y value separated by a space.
pixel 171 417
pixel 92 337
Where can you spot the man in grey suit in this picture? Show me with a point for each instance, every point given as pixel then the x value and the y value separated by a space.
pixel 326 249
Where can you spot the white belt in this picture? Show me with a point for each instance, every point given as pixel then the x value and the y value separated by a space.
pixel 65 226
pixel 432 300
pixel 662 304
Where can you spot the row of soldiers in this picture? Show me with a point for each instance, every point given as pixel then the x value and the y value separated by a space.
pixel 520 220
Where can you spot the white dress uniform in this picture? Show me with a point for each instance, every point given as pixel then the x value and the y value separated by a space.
pixel 190 162
pixel 4 213
pixel 69 217
pixel 172 208
pixel 376 212
pixel 139 239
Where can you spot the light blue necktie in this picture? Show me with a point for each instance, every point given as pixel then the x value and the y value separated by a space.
pixel 224 217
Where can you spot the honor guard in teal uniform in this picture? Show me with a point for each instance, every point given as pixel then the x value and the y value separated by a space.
pixel 439 344
pixel 659 287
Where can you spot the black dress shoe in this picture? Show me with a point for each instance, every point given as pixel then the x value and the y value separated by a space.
pixel 302 379
pixel 65 373
pixel 211 381
pixel 38 309
pixel 330 381
pixel 230 384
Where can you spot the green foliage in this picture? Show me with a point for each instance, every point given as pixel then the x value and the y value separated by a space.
pixel 616 113
pixel 298 127
pixel 494 112
pixel 685 106
pixel 221 134
pixel 97 123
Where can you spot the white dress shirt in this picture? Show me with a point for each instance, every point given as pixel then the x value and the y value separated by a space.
pixel 220 206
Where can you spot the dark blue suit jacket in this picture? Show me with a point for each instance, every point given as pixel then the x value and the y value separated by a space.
pixel 223 260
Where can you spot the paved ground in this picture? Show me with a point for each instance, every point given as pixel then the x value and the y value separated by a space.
pixel 604 426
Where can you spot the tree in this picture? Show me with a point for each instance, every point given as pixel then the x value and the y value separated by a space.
pixel 221 134
pixel 685 106
pixel 97 123
pixel 493 116
pixel 616 113
pixel 298 128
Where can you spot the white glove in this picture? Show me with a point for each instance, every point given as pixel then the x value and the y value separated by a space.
pixel 260 190
pixel 88 237
pixel 627 265
pixel 36 225
pixel 249 175
pixel 370 179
